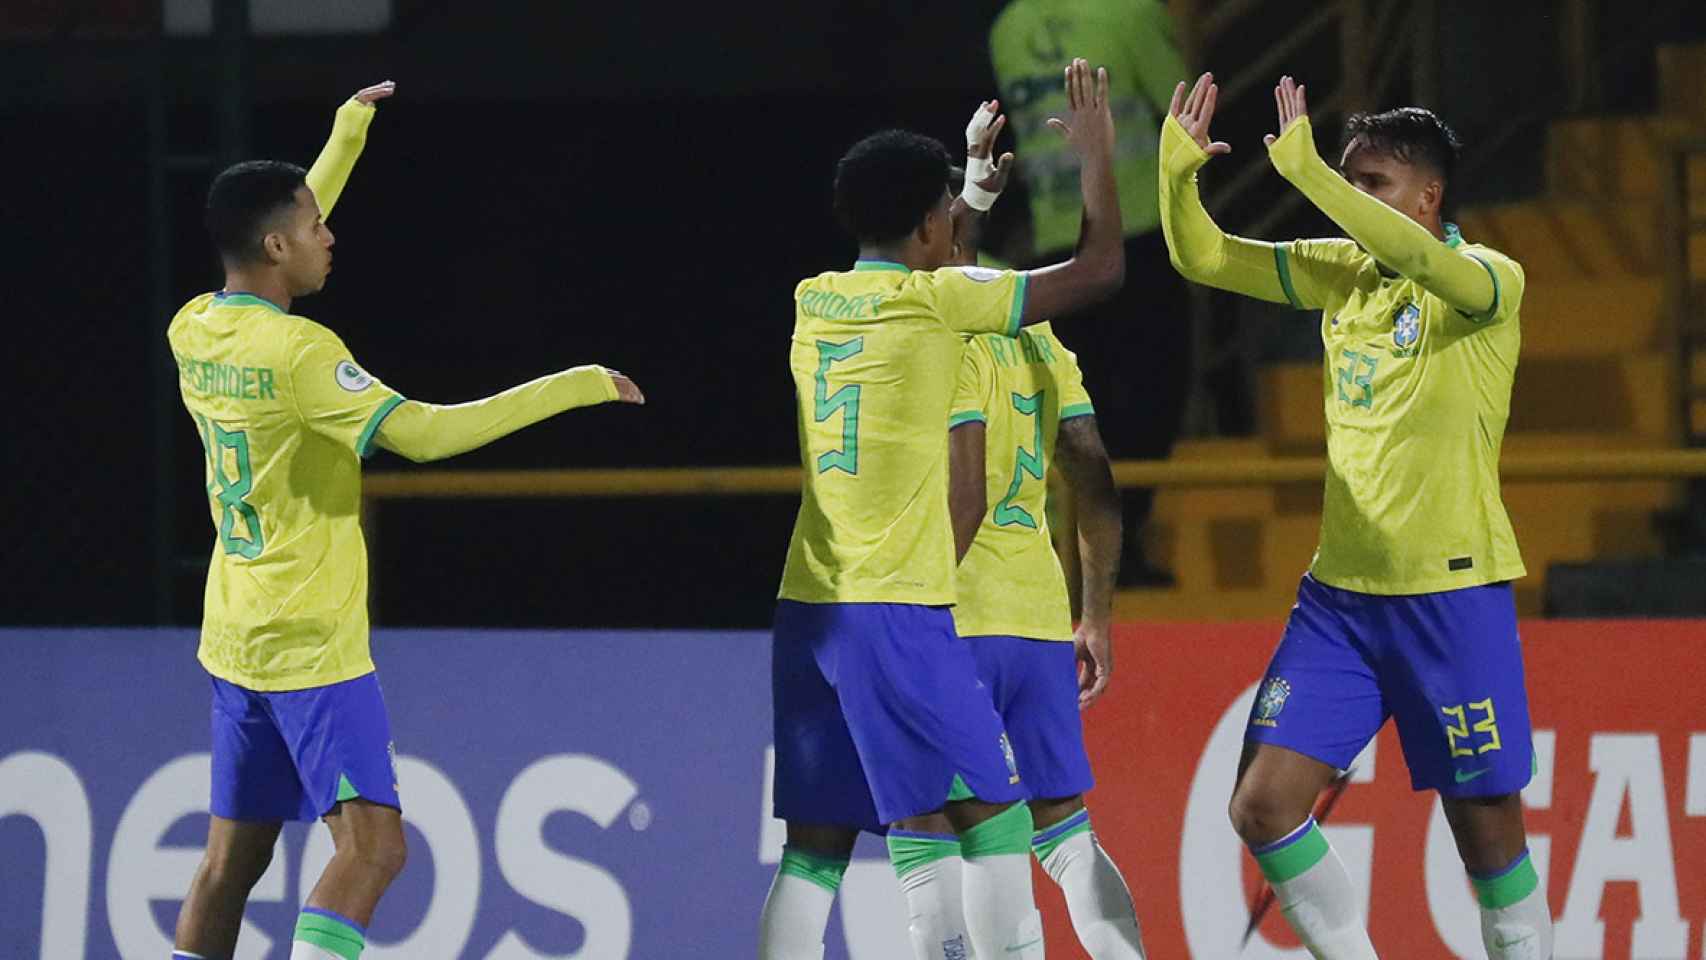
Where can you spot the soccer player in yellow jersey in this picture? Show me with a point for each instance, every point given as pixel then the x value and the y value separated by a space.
pixel 285 415
pixel 1406 611
pixel 1020 409
pixel 880 718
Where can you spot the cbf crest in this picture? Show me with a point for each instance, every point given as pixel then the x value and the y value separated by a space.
pixel 1271 701
pixel 1406 330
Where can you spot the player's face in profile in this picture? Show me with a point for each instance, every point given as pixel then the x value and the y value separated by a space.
pixel 1401 186
pixel 307 246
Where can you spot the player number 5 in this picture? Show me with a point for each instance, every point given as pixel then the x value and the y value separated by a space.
pixel 844 401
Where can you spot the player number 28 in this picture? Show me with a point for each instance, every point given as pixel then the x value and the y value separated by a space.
pixel 229 493
pixel 1460 730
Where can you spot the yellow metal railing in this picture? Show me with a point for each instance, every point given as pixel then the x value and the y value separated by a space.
pixel 749 481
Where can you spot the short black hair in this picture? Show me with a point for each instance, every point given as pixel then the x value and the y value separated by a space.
pixel 887 182
pixel 243 197
pixel 1412 135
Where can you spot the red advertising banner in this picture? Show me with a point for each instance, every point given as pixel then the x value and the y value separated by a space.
pixel 1616 811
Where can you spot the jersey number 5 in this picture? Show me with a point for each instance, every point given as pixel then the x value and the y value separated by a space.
pixel 229 493
pixel 844 401
pixel 1025 463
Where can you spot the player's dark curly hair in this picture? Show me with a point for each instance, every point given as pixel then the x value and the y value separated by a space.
pixel 887 182
pixel 243 197
pixel 1411 134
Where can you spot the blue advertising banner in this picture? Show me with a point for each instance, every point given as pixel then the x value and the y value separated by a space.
pixel 568 794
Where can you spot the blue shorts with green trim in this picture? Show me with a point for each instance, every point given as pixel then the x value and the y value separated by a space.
pixel 294 755
pixel 1447 667
pixel 878 711
pixel 1034 684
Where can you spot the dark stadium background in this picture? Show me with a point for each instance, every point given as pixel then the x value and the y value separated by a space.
pixel 641 187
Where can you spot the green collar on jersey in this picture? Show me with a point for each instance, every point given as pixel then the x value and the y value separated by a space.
pixel 1453 236
pixel 244 300
pixel 862 265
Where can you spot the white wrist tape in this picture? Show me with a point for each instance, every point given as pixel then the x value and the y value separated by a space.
pixel 976 197
pixel 979 168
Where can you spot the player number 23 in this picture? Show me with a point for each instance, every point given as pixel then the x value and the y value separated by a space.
pixel 1461 735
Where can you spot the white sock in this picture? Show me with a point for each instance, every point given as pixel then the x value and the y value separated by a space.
pixel 935 910
pixel 1315 894
pixel 797 909
pixel 1001 909
pixel 300 950
pixel 930 870
pixel 1519 927
pixel 1097 898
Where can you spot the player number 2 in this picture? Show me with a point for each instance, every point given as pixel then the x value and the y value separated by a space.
pixel 229 493
pixel 844 401
pixel 1025 463
pixel 1487 725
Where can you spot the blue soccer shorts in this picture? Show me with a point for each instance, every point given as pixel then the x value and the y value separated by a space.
pixel 295 755
pixel 880 716
pixel 1447 666
pixel 1034 684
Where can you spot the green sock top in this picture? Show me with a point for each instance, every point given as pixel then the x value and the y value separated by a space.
pixel 1509 886
pixel 1007 832
pixel 823 871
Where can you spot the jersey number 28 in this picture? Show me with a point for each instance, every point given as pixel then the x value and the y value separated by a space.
pixel 229 493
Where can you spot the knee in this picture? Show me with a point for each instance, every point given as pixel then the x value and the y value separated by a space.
pixel 387 856
pixel 1260 816
pixel 232 868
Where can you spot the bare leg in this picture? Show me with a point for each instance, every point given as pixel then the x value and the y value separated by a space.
pixel 1271 810
pixel 370 851
pixel 1516 921
pixel 238 852
pixel 1275 792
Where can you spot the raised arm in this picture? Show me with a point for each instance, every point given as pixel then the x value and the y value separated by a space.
pixel 1083 461
pixel 426 431
pixel 1097 268
pixel 1199 249
pixel 1389 236
pixel 331 169
pixel 985 178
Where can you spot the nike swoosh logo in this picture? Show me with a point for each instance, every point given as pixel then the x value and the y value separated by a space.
pixel 1502 943
pixel 1024 946
pixel 1466 777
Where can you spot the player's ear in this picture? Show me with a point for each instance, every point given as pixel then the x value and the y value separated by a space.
pixel 273 245
pixel 1433 194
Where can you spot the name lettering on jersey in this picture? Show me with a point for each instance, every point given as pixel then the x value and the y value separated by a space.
pixel 1026 348
pixel 226 380
pixel 829 305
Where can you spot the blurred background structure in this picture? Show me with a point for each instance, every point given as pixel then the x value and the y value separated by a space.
pixel 643 188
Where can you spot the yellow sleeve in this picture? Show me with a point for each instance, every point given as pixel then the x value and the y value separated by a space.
pixel 976 299
pixel 1074 399
pixel 1390 237
pixel 334 396
pixel 973 387
pixel 1199 249
pixel 1313 273
pixel 1509 281
pixel 331 169
pixel 426 431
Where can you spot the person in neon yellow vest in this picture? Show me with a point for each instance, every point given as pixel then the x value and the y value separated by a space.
pixel 1137 371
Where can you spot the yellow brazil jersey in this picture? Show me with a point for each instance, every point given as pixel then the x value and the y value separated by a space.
pixel 285 416
pixel 1021 388
pixel 874 357
pixel 1417 396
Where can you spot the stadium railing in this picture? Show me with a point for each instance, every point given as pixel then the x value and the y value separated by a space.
pixel 741 481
